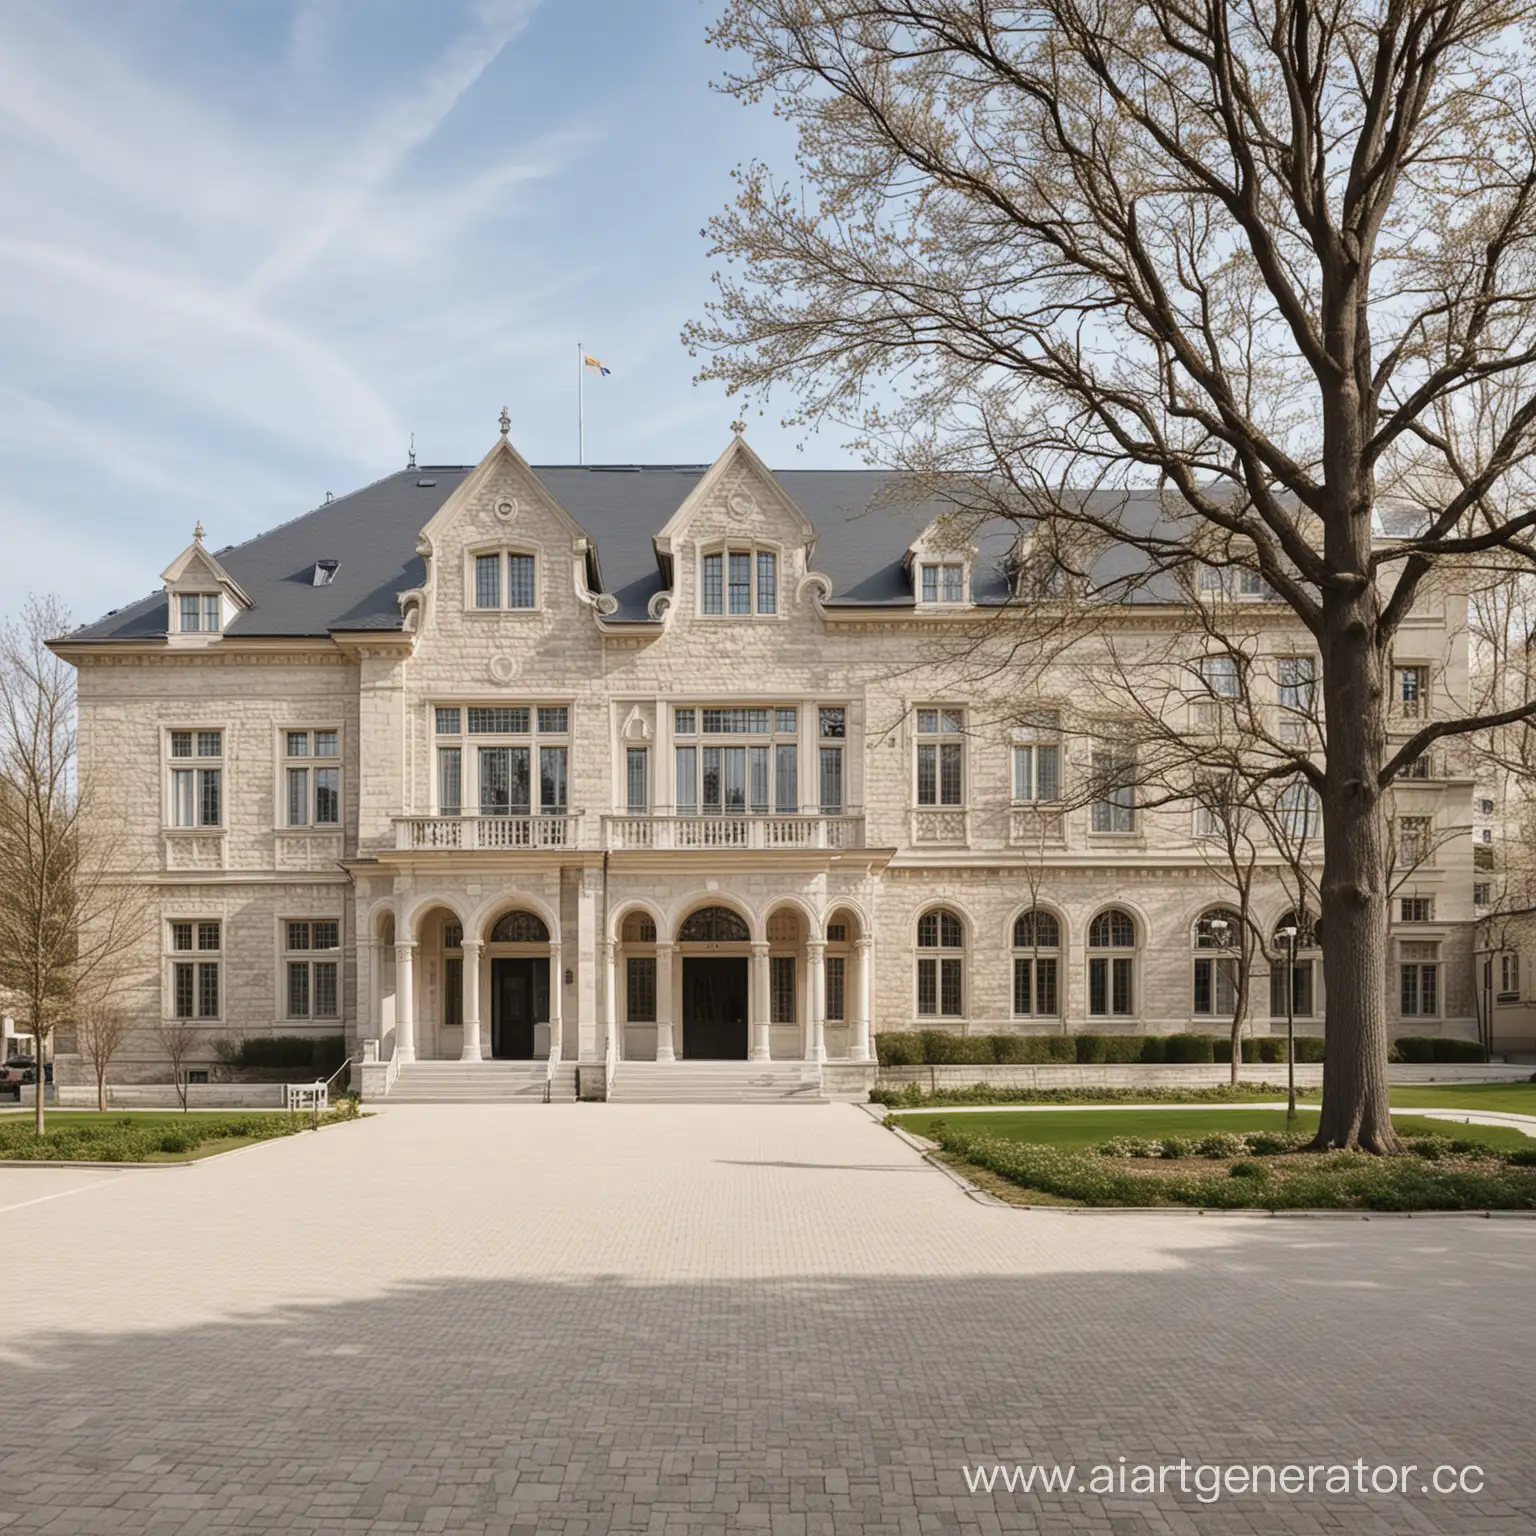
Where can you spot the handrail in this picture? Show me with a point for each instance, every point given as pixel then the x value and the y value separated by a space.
pixel 348 1063
pixel 551 1066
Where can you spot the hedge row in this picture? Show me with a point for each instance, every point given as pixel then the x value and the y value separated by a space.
pixel 937 1047
pixel 320 1055
pixel 1336 1181
pixel 1427 1048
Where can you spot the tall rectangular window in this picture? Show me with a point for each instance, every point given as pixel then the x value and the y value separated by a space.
pixel 713 584
pixel 504 781
pixel 312 778
pixel 943 583
pixel 740 590
pixel 1114 808
pixel 640 989
pixel 487 581
pixel 196 793
pixel 1035 985
pixel 1411 690
pixel 767 581
pixel 453 989
pixel 196 979
pixel 191 612
pixel 687 763
pixel 1509 978
pixel 940 757
pixel 781 989
pixel 1415 840
pixel 552 781
pixel 450 781
pixel 1110 986
pixel 837 988
pixel 831 781
pixel 940 988
pixel 758 760
pixel 520 584
pixel 311 951
pixel 637 797
pixel 786 796
pixel 1298 681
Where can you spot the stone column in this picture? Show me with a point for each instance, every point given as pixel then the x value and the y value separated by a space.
pixel 556 1002
pixel 816 970
pixel 664 1004
pixel 859 1049
pixel 608 955
pixel 471 1001
pixel 762 1006
pixel 405 1001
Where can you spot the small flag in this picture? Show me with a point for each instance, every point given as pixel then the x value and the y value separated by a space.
pixel 593 366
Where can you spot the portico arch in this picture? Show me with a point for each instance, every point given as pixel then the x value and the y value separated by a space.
pixel 715 943
pixel 516 950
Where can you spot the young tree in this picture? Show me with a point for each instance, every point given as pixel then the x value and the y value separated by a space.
pixel 101 1026
pixel 1250 257
pixel 69 914
pixel 180 1041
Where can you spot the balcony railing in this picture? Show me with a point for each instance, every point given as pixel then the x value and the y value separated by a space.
pixel 660 832
pixel 666 833
pixel 486 833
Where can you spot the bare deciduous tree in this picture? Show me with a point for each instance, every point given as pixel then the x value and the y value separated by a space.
pixel 70 914
pixel 180 1041
pixel 1252 257
pixel 101 1027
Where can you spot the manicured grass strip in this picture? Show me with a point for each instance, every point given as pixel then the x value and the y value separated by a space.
pixel 1083 1128
pixel 158 1137
pixel 1336 1181
pixel 1498 1098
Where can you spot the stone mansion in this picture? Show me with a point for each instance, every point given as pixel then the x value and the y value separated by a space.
pixel 637 767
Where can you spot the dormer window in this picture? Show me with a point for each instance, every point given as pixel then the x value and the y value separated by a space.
pixel 943 582
pixel 1232 581
pixel 200 613
pixel 325 572
pixel 739 583
pixel 505 580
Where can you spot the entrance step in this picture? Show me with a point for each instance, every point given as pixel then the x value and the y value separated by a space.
pixel 479 1082
pixel 716 1082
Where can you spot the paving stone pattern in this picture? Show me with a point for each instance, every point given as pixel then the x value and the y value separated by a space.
pixel 585 1319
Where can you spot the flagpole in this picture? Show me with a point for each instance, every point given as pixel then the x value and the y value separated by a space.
pixel 581 407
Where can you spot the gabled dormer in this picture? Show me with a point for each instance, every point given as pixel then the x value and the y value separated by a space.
pixel 738 548
pixel 202 598
pixel 940 562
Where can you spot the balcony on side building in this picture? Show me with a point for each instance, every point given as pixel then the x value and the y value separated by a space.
pixel 665 832
pixel 654 832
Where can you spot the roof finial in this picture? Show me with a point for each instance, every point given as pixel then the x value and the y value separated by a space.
pixel 410 460
pixel 505 421
pixel 197 533
pixel 738 427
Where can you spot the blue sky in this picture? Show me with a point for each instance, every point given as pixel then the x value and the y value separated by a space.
pixel 253 245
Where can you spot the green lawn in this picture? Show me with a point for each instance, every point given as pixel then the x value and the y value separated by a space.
pixel 1088 1128
pixel 149 1136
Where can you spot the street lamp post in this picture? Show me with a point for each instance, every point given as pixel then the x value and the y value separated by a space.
pixel 1289 935
pixel 1218 929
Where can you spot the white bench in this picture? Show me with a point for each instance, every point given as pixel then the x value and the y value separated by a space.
pixel 315 1096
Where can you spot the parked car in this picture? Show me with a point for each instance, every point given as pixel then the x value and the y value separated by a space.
pixel 19 1071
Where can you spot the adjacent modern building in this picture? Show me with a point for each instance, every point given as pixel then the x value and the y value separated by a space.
pixel 661 764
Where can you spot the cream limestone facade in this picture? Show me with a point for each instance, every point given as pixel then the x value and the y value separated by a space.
pixel 521 819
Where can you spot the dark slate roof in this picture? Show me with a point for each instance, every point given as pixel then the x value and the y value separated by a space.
pixel 863 530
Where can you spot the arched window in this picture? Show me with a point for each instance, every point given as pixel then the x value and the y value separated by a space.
pixel 1216 975
pixel 520 928
pixel 1112 975
pixel 714 925
pixel 940 965
pixel 1303 997
pixel 1036 964
pixel 639 928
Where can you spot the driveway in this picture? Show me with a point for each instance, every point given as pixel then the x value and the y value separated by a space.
pixel 584 1319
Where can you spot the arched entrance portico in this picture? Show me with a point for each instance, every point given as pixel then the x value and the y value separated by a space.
pixel 716 947
pixel 525 1002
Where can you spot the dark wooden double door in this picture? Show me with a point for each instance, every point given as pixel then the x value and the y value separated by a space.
pixel 519 1000
pixel 715 1008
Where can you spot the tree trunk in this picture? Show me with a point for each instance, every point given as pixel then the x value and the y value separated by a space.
pixel 1353 931
pixel 101 1090
pixel 42 1073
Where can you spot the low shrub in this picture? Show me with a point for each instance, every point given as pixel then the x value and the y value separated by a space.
pixel 317 1055
pixel 1424 1049
pixel 1309 1048
pixel 1336 1181
pixel 898 1049
pixel 1175 1146
pixel 139 1138
pixel 1022 1050
pixel 917 1096
pixel 1219 1144
pixel 1246 1170
pixel 1192 1048
pixel 1130 1146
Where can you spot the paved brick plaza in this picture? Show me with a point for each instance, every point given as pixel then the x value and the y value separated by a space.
pixel 584 1319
